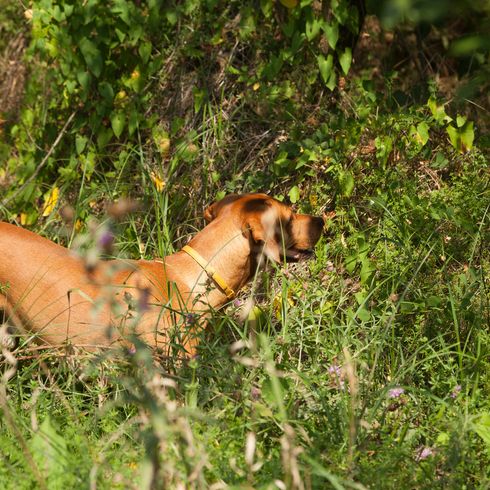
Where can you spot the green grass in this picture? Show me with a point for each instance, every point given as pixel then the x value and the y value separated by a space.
pixel 303 396
pixel 365 367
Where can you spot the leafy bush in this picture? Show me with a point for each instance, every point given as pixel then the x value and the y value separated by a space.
pixel 365 367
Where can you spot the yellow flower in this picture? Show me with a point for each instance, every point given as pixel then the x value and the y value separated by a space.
pixel 158 181
pixel 277 303
pixel 50 201
pixel 78 225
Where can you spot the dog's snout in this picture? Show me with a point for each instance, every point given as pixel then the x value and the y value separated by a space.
pixel 319 221
pixel 317 225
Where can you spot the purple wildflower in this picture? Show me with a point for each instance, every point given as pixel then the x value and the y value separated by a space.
pixel 191 319
pixel 106 241
pixel 336 375
pixel 395 392
pixel 423 452
pixel 255 393
pixel 237 303
pixel 456 391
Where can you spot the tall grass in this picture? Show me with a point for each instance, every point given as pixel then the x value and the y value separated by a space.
pixel 365 367
pixel 310 380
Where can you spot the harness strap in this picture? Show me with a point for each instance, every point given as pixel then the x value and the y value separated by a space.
pixel 210 271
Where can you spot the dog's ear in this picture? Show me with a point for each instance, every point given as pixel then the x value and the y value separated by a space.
pixel 261 229
pixel 212 211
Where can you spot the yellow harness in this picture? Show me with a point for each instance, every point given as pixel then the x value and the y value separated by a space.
pixel 210 271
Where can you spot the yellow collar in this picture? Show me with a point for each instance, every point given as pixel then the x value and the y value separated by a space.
pixel 210 271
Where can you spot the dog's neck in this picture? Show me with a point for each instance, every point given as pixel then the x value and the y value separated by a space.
pixel 223 245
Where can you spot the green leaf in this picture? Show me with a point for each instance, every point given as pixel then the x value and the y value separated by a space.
pixel 325 66
pixel 104 135
pixel 467 136
pixel 423 132
pixel 342 11
pixel 384 146
pixel 362 247
pixel 120 34
pixel 434 301
pixel 83 78
pixel 92 56
pixel 367 270
pixel 80 143
pixel 350 263
pixel 70 85
pixel 332 81
pixel 28 118
pixel 453 136
pixel 470 44
pixel 118 120
pixel 133 121
pixel 346 183
pixel 172 16
pixel 199 98
pixel 363 315
pixel 462 138
pixel 121 7
pixel 176 125
pixel 443 439
pixel 482 428
pixel 312 28
pixel 144 51
pixel 57 14
pixel 460 120
pixel 294 194
pixel 257 315
pixel 247 24
pixel 136 33
pixel 106 90
pixel 266 7
pixel 438 111
pixel 361 297
pixel 290 4
pixel 345 60
pixel 440 161
pixel 332 33
pixel 272 69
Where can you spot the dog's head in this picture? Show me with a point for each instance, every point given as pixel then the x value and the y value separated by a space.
pixel 271 226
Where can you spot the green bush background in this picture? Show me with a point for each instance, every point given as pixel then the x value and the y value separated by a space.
pixel 174 104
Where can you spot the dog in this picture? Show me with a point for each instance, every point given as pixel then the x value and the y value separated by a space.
pixel 47 290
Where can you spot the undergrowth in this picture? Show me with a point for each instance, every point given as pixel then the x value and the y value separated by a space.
pixel 365 367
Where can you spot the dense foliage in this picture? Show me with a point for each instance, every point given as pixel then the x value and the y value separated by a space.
pixel 366 367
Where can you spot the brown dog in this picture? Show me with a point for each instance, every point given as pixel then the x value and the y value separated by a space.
pixel 47 289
